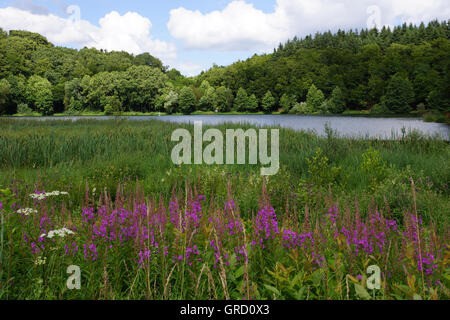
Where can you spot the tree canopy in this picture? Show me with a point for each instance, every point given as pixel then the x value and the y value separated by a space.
pixel 392 70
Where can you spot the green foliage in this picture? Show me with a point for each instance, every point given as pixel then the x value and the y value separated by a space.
pixel 362 64
pixel 380 109
pixel 109 111
pixel 5 89
pixel 186 100
pixel 39 93
pixel 268 102
pixel 113 105
pixel 438 101
pixel 224 99
pixel 374 167
pixel 421 109
pixel 315 98
pixel 23 108
pixel 399 94
pixel 241 101
pixel 171 102
pixel 319 170
pixel 337 101
pixel 301 108
pixel 287 102
pixel 252 103
pixel 209 100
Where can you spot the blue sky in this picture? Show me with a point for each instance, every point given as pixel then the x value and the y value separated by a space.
pixel 192 35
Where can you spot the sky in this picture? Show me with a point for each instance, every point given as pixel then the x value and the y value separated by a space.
pixel 192 35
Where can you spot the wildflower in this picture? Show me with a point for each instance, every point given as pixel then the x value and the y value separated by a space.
pixel 43 195
pixel 27 211
pixel 40 261
pixel 332 214
pixel 34 248
pixel 60 232
pixel 72 250
pixel 427 263
pixel 92 251
pixel 144 255
pixel 292 239
pixel 266 224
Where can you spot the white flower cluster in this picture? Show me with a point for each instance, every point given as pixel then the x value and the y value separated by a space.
pixel 27 211
pixel 60 232
pixel 40 261
pixel 42 196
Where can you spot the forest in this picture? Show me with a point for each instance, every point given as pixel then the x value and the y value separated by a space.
pixel 385 71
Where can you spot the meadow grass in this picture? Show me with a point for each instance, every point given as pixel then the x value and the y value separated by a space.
pixel 119 164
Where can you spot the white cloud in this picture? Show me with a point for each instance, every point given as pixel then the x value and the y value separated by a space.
pixel 241 26
pixel 130 32
pixel 189 68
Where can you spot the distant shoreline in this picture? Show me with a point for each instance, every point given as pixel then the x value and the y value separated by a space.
pixel 437 118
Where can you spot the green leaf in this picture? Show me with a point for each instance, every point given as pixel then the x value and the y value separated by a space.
pixel 272 289
pixel 301 293
pixel 361 292
pixel 239 272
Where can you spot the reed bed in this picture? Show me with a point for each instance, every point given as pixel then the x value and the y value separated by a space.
pixel 140 227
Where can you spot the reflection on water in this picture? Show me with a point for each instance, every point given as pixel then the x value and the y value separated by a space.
pixel 345 125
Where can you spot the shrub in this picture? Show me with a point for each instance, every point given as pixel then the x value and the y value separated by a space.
pixel 379 109
pixel 374 167
pixel 108 110
pixel 320 171
pixel 314 98
pixel 300 108
pixel 23 108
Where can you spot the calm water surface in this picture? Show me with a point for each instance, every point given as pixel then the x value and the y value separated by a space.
pixel 350 126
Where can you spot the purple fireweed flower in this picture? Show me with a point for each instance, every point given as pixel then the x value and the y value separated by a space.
pixel 34 248
pixel 174 213
pixel 332 214
pixel 427 263
pixel 87 214
pixel 71 250
pixel 266 225
pixel 90 252
pixel 292 239
pixel 144 256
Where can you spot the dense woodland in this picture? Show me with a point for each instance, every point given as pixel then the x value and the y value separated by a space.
pixel 389 71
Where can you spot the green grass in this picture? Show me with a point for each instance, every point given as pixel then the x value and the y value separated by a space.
pixel 86 155
pixel 104 153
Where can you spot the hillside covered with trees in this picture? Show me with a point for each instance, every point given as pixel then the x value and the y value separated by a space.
pixel 387 71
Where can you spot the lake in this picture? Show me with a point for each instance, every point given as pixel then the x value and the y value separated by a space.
pixel 350 126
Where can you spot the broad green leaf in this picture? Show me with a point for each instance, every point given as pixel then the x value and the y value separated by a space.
pixel 239 272
pixel 272 289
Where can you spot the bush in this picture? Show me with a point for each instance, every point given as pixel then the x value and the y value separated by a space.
pixel 320 171
pixel 374 167
pixel 186 100
pixel 421 109
pixel 23 108
pixel 399 94
pixel 337 101
pixel 325 107
pixel 379 109
pixel 300 108
pixel 109 110
pixel 315 98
